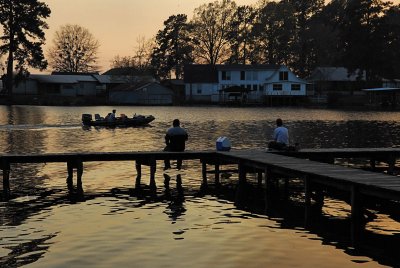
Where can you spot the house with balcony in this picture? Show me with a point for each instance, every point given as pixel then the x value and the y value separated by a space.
pixel 244 84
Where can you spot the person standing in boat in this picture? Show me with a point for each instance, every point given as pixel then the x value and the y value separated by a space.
pixel 175 140
pixel 111 116
pixel 280 137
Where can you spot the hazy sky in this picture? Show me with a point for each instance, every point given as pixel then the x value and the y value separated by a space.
pixel 118 23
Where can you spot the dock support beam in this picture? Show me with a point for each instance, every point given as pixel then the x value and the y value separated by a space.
pixel 241 189
pixel 307 201
pixel 78 164
pixel 6 178
pixel 217 174
pixel 268 189
pixel 152 163
pixel 356 215
pixel 204 172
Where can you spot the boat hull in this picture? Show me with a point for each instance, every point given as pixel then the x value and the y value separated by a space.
pixel 120 122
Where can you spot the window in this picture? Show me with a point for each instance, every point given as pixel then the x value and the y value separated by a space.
pixel 199 91
pixel 295 86
pixel 248 87
pixel 226 75
pixel 255 87
pixel 261 88
pixel 242 75
pixel 283 76
pixel 277 87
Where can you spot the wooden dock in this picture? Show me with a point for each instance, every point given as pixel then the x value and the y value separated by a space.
pixel 328 155
pixel 270 166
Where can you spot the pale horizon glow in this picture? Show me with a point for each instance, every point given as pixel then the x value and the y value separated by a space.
pixel 117 24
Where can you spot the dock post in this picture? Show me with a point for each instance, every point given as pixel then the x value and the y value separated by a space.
pixel 78 164
pixel 356 215
pixel 241 189
pixel 217 173
pixel 307 201
pixel 392 164
pixel 6 177
pixel 242 173
pixel 259 178
pixel 204 171
pixel 372 163
pixel 153 167
pixel 268 190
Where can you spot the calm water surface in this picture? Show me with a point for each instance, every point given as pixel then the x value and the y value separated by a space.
pixel 114 225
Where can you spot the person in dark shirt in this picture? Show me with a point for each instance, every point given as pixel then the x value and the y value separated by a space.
pixel 175 140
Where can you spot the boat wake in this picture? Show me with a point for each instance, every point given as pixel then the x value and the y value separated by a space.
pixel 38 126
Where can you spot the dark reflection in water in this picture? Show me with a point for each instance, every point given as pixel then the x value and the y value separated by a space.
pixel 38 188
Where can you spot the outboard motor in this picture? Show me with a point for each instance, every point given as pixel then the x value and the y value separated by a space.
pixel 86 118
pixel 223 144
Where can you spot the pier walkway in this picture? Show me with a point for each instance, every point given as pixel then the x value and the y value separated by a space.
pixel 271 166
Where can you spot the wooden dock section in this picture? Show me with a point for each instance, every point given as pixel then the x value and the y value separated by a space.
pixel 270 166
pixel 328 155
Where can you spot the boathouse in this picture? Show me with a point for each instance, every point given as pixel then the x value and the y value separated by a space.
pixel 142 93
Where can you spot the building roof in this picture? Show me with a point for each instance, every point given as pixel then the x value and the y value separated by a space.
pixel 334 74
pixel 62 79
pixel 200 73
pixel 244 67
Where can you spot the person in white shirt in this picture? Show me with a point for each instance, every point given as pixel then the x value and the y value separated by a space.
pixel 280 136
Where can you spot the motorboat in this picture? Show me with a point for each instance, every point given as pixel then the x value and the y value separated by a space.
pixel 121 121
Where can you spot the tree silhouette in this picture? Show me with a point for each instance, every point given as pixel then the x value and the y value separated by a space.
pixel 211 31
pixel 74 50
pixel 23 36
pixel 173 47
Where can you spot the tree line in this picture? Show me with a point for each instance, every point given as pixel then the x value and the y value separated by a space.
pixel 361 35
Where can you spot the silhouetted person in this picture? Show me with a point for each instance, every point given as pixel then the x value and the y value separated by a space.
pixel 111 116
pixel 175 140
pixel 280 136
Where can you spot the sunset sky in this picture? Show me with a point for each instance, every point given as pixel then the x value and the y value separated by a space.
pixel 117 24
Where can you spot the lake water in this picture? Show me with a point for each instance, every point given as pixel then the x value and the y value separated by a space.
pixel 114 225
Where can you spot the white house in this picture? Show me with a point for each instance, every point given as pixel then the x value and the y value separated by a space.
pixel 250 83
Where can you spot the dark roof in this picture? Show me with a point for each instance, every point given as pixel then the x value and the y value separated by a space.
pixel 127 71
pixel 243 67
pixel 74 73
pixel 200 73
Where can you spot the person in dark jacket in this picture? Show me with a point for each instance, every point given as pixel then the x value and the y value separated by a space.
pixel 175 140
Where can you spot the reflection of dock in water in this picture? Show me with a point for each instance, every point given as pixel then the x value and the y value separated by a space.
pixel 313 168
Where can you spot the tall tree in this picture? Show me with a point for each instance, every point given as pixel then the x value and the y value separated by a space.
pixel 173 47
pixel 74 50
pixel 391 50
pixel 324 32
pixel 142 54
pixel 211 31
pixel 23 22
pixel 305 10
pixel 362 36
pixel 240 34
pixel 274 33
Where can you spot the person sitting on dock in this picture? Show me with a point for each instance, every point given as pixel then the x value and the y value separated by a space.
pixel 175 140
pixel 280 137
